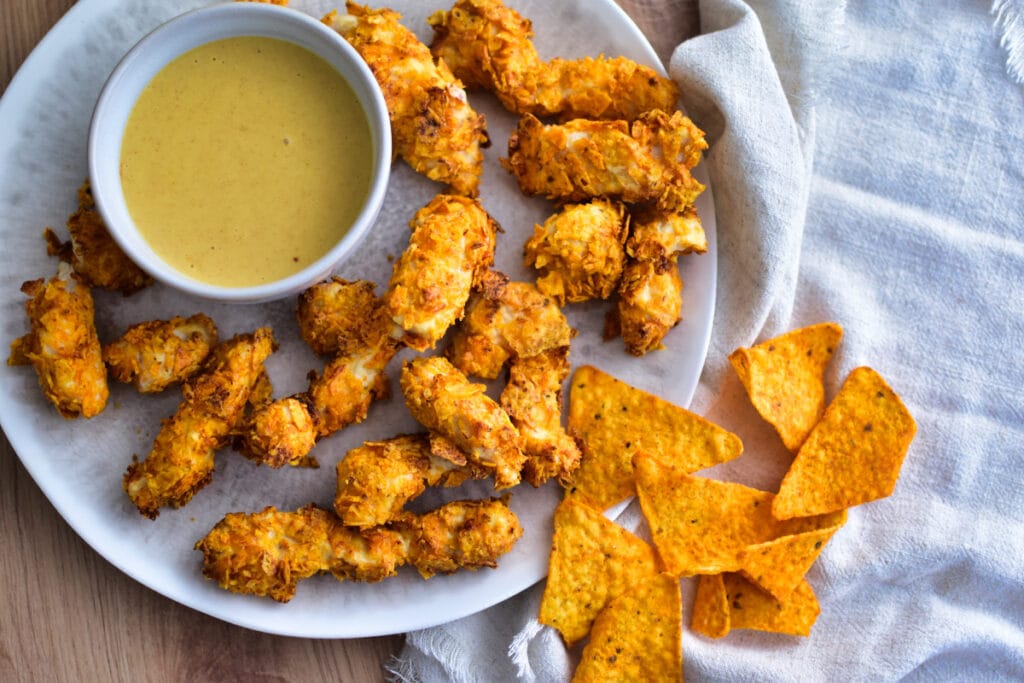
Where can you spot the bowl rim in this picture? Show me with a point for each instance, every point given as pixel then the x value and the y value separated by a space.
pixel 151 54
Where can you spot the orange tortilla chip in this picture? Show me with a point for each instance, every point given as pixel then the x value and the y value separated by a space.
pixel 778 566
pixel 853 455
pixel 750 607
pixel 593 560
pixel 784 378
pixel 637 637
pixel 612 420
pixel 703 526
pixel 710 607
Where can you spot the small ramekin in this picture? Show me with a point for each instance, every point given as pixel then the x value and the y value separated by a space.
pixel 174 38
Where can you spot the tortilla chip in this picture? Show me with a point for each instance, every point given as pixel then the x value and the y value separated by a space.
pixel 750 607
pixel 784 378
pixel 703 526
pixel 593 560
pixel 710 607
pixel 778 566
pixel 853 455
pixel 612 420
pixel 637 637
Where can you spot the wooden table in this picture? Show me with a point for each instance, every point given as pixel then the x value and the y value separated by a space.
pixel 68 615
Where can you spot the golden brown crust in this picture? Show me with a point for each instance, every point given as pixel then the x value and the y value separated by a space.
pixel 155 354
pixel 660 235
pixel 281 433
pixel 333 315
pixel 650 302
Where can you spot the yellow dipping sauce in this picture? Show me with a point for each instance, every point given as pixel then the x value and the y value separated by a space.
pixel 245 160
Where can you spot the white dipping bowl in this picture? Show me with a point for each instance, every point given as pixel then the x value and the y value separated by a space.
pixel 189 31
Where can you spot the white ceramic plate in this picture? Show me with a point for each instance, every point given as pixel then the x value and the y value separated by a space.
pixel 79 464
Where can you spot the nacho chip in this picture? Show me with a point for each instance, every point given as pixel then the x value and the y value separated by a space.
pixel 778 566
pixel 703 526
pixel 853 455
pixel 784 378
pixel 750 607
pixel 637 637
pixel 593 560
pixel 612 420
pixel 710 607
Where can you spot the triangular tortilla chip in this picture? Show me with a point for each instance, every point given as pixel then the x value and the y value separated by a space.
pixel 854 454
pixel 778 566
pixel 710 607
pixel 612 420
pixel 637 637
pixel 593 560
pixel 784 378
pixel 750 607
pixel 702 526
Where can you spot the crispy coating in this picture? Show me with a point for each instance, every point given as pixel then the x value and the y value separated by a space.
pixel 433 126
pixel 450 249
pixel 378 478
pixel 155 354
pixel 326 312
pixel 488 45
pixel 506 321
pixel 62 344
pixel 441 398
pixel 533 400
pixel 646 161
pixel 579 251
pixel 343 392
pixel 182 458
pixel 267 553
pixel 659 235
pixel 282 432
pixel 650 302
pixel 93 253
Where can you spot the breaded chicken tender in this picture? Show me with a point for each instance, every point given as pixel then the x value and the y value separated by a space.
pixel 449 252
pixel 650 301
pixel 377 479
pixel 646 161
pixel 282 432
pixel 442 399
pixel 659 235
pixel 506 320
pixel 488 45
pixel 93 253
pixel 325 311
pixel 182 458
pixel 433 126
pixel 267 553
pixel 155 354
pixel 533 400
pixel 62 344
pixel 579 251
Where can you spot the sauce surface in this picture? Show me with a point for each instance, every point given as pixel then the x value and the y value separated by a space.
pixel 245 160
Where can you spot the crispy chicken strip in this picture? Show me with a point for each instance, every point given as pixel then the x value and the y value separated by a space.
pixel 93 253
pixel 450 249
pixel 182 459
pixel 533 399
pixel 579 251
pixel 659 235
pixel 62 344
pixel 510 319
pixel 282 432
pixel 155 354
pixel 441 398
pixel 267 553
pixel 325 315
pixel 433 126
pixel 377 479
pixel 646 161
pixel 488 45
pixel 650 302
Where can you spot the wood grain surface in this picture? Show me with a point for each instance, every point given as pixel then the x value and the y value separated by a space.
pixel 68 615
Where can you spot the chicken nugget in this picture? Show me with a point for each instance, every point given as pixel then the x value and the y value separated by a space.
pixel 93 253
pixel 62 344
pixel 533 400
pixel 328 312
pixel 182 458
pixel 155 354
pixel 602 88
pixel 579 252
pixel 449 252
pixel 650 303
pixel 441 398
pixel 646 161
pixel 433 126
pixel 282 432
pixel 660 235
